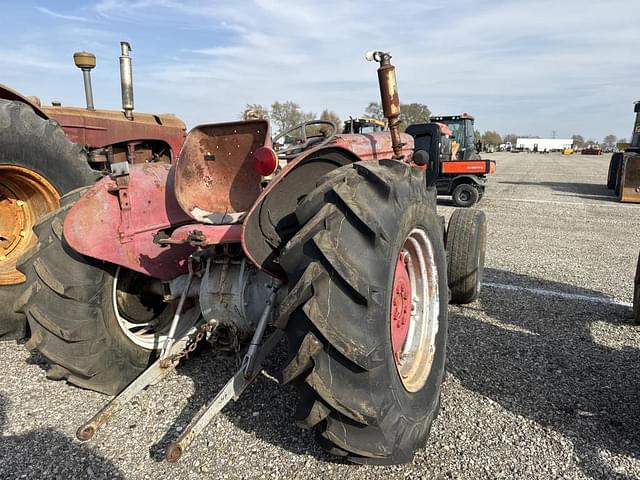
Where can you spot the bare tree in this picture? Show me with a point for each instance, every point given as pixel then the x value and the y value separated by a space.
pixel 330 116
pixel 411 113
pixel 491 138
pixel 578 140
pixel 609 142
pixel 254 111
pixel 511 138
pixel 288 114
pixel 374 110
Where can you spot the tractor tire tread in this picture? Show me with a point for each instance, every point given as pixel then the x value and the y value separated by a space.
pixel 63 307
pixel 335 364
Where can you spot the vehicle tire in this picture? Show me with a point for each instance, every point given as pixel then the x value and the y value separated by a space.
pixel 617 187
pixel 351 267
pixel 466 245
pixel 614 164
pixel 636 294
pixel 465 195
pixel 86 317
pixel 38 164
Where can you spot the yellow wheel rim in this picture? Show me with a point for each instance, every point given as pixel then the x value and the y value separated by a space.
pixel 25 197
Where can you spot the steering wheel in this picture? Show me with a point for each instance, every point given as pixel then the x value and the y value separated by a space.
pixel 294 149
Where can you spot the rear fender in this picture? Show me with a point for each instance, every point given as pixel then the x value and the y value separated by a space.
pixel 477 180
pixel 7 93
pixel 117 219
pixel 270 221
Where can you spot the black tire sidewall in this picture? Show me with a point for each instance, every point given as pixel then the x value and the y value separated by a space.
pixel 40 145
pixel 465 187
pixel 473 248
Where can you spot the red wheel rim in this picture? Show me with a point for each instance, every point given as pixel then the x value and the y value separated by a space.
pixel 400 307
pixel 414 310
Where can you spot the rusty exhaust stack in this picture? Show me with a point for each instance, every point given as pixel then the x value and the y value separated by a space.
pixel 126 80
pixel 86 62
pixel 389 97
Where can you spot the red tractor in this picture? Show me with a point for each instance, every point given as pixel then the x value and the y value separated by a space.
pixel 46 152
pixel 330 240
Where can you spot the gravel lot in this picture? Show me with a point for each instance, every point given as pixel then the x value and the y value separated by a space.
pixel 542 380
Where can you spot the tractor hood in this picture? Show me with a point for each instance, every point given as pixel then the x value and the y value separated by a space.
pixel 98 128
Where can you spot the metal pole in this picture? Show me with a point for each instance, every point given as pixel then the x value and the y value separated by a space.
pixel 88 91
pixel 126 80
pixel 389 98
pixel 168 343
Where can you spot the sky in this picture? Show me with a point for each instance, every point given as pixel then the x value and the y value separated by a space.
pixel 523 67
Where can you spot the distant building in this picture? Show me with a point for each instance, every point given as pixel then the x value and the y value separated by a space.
pixel 543 144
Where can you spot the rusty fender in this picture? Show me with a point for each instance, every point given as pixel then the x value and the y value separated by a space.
pixel 117 220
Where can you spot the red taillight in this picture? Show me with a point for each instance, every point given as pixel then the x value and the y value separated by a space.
pixel 265 161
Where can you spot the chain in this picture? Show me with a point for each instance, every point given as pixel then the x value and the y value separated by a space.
pixel 191 346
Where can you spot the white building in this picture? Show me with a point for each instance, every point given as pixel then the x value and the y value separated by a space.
pixel 543 144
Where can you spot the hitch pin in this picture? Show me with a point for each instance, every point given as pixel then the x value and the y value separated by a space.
pixel 169 341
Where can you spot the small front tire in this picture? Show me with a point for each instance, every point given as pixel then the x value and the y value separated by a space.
pixel 466 245
pixel 465 195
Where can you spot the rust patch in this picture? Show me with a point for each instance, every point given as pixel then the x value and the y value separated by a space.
pixel 214 172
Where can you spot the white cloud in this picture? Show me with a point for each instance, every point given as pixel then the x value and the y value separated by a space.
pixel 61 16
pixel 519 67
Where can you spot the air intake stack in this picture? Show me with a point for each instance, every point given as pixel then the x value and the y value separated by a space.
pixel 86 62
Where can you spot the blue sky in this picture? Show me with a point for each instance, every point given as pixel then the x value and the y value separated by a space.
pixel 519 67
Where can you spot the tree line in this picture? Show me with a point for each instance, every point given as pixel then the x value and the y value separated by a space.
pixel 285 115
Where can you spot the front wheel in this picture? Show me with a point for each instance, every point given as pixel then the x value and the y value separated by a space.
pixel 466 245
pixel 367 310
pixel 465 195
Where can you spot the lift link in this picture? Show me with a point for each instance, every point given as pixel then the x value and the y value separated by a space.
pixel 151 375
pixel 168 343
pixel 235 386
pixel 253 359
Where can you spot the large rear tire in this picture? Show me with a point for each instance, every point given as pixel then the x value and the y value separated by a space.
pixel 97 326
pixel 38 165
pixel 367 309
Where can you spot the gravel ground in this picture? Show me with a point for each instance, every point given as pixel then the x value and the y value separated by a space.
pixel 538 385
